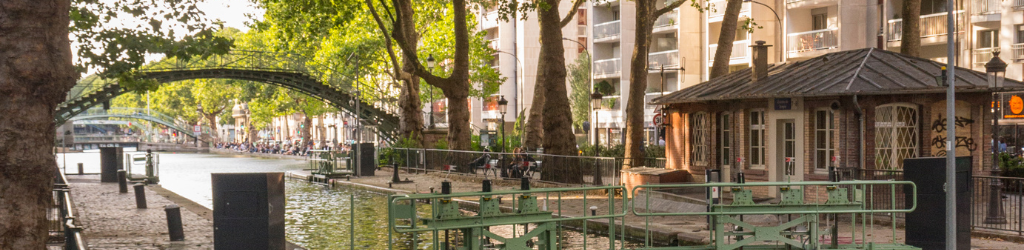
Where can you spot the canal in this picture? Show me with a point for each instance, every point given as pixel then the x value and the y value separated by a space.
pixel 317 217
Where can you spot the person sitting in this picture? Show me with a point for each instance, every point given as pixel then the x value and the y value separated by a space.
pixel 481 161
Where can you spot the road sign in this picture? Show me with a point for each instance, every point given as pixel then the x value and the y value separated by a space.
pixel 658 119
pixel 197 129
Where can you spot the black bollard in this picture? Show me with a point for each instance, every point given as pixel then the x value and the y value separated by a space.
pixel 741 178
pixel 122 181
pixel 81 170
pixel 487 186
pixel 174 226
pixel 446 187
pixel 524 183
pixel 394 174
pixel 140 195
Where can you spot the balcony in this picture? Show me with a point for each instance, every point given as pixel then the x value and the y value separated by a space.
pixel 668 59
pixel 650 96
pixel 494 44
pixel 717 9
pixel 1018 4
pixel 983 55
pixel 986 10
pixel 739 52
pixel 1018 51
pixel 490 20
pixel 666 22
pixel 812 41
pixel 608 31
pixel 607 68
pixel 932 25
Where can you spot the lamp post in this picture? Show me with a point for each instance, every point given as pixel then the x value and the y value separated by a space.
pixel 199 119
pixel 502 106
pixel 782 53
pixel 430 64
pixel 595 103
pixel 515 88
pixel 995 69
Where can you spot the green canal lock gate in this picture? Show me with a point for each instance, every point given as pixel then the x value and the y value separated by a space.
pixel 453 229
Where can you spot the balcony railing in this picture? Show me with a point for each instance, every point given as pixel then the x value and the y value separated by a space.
pixel 985 7
pixel 739 50
pixel 494 43
pixel 490 20
pixel 1018 51
pixel 666 20
pixel 608 67
pixel 813 40
pixel 668 58
pixel 650 96
pixel 607 30
pixel 982 56
pixel 718 8
pixel 1018 4
pixel 931 25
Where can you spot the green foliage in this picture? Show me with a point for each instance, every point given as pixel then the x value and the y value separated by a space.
pixel 441 144
pixel 613 151
pixel 579 95
pixel 1012 166
pixel 604 87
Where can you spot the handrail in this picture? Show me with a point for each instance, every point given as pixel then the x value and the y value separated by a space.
pixel 810 32
pixel 72 233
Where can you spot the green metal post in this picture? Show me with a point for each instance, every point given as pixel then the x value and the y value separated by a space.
pixel 352 222
pixel 611 220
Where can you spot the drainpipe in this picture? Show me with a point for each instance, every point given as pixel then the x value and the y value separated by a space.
pixel 860 131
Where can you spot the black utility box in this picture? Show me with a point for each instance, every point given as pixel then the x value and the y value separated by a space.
pixel 248 211
pixel 366 164
pixel 111 159
pixel 926 226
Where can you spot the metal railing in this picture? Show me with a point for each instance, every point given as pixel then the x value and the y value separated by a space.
pixel 997 203
pixel 739 50
pixel 607 30
pixel 490 20
pixel 590 170
pixel 1017 50
pixel 495 43
pixel 1018 4
pixel 881 196
pixel 813 40
pixel 607 68
pixel 666 20
pixel 328 162
pixel 669 58
pixel 717 8
pixel 931 25
pixel 985 7
pixel 63 228
pixel 982 56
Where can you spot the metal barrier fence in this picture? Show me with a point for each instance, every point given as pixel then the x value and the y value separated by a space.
pixel 589 170
pixel 997 203
pixel 62 221
pixel 882 194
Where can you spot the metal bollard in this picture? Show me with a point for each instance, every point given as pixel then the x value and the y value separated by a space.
pixel 81 170
pixel 174 226
pixel 140 195
pixel 122 181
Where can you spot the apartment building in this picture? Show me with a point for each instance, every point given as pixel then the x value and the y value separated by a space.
pixel 518 49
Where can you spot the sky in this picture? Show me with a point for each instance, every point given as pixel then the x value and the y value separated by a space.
pixel 232 12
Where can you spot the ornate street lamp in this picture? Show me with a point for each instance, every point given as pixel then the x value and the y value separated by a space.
pixel 995 69
pixel 430 65
pixel 502 107
pixel 595 103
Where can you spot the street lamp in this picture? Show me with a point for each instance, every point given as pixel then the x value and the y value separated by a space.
pixel 502 107
pixel 595 103
pixel 199 119
pixel 995 69
pixel 430 64
pixel 782 52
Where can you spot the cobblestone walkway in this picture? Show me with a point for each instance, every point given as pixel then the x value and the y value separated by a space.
pixel 111 220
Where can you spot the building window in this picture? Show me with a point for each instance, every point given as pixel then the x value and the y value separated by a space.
pixel 824 130
pixel 1019 33
pixel 895 135
pixel 699 139
pixel 819 18
pixel 757 139
pixel 724 139
pixel 988 39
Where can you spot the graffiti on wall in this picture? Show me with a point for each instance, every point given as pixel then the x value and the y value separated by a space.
pixel 964 142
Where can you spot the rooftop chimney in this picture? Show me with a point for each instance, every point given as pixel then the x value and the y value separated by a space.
pixel 760 67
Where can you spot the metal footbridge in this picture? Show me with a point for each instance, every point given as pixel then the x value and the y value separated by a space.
pixel 136 113
pixel 285 70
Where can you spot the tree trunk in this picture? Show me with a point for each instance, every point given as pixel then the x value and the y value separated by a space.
pixel 910 43
pixel 645 11
pixel 35 74
pixel 535 122
pixel 558 136
pixel 306 122
pixel 321 130
pixel 411 110
pixel 725 39
pixel 212 120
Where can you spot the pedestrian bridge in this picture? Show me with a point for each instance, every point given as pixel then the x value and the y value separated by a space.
pixel 284 70
pixel 136 113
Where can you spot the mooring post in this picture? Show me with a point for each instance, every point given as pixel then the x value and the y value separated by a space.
pixel 174 227
pixel 140 195
pixel 81 170
pixel 122 181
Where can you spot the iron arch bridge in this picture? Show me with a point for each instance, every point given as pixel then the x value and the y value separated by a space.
pixel 285 70
pixel 136 113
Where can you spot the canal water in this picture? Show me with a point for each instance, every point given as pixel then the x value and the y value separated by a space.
pixel 317 217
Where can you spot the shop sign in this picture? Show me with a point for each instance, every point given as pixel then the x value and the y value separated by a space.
pixel 1015 106
pixel 783 103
